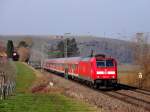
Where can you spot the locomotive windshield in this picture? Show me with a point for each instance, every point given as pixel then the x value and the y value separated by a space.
pixel 105 63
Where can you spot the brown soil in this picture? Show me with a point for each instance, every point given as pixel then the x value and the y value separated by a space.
pixel 41 85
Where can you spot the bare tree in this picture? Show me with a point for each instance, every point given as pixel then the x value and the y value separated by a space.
pixel 28 41
pixel 141 54
pixel 24 54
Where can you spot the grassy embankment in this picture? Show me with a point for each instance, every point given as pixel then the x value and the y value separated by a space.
pixel 24 101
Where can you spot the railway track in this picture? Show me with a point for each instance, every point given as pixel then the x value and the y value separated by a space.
pixel 142 91
pixel 122 94
pixel 130 99
pixel 133 100
pixel 142 102
pixel 126 87
pixel 131 95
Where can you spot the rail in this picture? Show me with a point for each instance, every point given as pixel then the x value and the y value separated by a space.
pixel 114 93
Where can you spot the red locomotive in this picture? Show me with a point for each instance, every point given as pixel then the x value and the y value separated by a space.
pixel 98 70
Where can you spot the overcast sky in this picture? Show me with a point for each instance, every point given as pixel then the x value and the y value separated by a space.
pixel 92 17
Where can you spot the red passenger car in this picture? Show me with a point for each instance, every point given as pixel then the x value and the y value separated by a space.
pixel 98 70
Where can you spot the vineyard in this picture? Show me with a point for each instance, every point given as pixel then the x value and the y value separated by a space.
pixel 7 79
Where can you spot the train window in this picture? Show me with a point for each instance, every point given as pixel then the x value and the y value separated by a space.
pixel 105 63
pixel 109 63
pixel 100 63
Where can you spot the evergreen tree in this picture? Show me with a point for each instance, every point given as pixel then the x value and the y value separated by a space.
pixel 10 48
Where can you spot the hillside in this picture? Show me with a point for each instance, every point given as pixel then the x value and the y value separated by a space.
pixel 119 49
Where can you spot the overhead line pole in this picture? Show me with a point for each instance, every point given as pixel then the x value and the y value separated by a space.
pixel 66 50
pixel 65 45
pixel 66 54
pixel 42 57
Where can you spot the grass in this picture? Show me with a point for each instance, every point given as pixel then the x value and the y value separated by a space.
pixel 25 77
pixel 42 103
pixel 25 101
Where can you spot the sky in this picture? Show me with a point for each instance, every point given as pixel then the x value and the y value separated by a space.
pixel 113 18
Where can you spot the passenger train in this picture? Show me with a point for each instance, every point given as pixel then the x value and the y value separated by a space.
pixel 99 70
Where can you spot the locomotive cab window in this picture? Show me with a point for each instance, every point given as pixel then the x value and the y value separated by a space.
pixel 109 63
pixel 105 63
pixel 100 63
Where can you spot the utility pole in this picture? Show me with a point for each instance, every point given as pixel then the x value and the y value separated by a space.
pixel 42 55
pixel 65 48
pixel 65 45
pixel 66 54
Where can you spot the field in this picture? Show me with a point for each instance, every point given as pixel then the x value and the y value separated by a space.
pixel 24 101
pixel 128 74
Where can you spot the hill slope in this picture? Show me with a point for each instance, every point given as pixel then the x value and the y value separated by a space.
pixel 119 49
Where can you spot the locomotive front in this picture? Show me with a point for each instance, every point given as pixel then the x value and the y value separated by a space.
pixel 106 71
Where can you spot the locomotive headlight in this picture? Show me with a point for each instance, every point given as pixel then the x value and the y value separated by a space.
pixel 14 54
pixel 100 72
pixel 111 72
